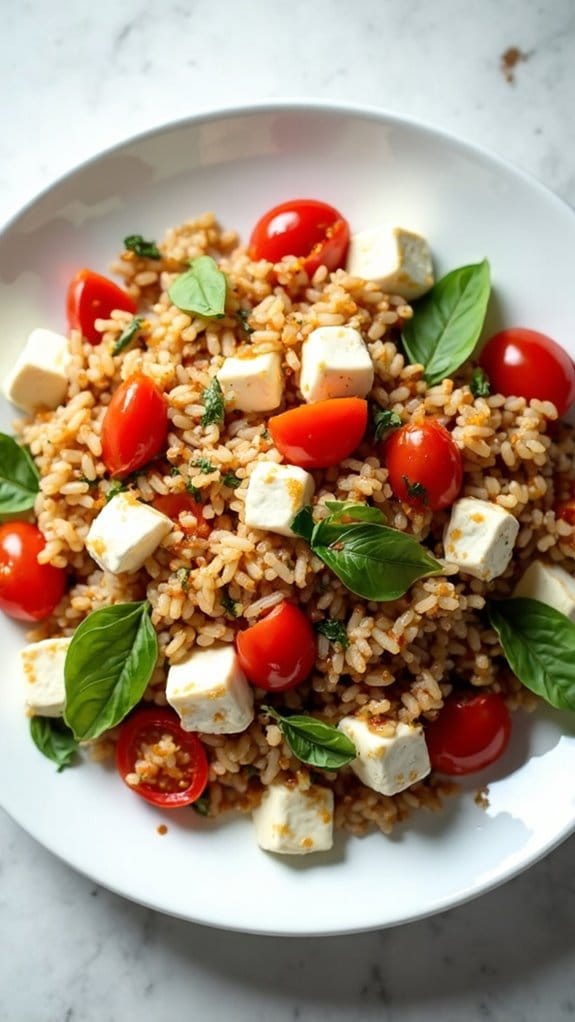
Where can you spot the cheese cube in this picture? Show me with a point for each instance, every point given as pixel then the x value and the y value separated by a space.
pixel 388 759
pixel 549 584
pixel 39 378
pixel 252 383
pixel 397 260
pixel 479 538
pixel 335 362
pixel 42 666
pixel 294 822
pixel 275 494
pixel 210 692
pixel 125 534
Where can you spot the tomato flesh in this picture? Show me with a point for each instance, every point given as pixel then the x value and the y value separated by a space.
pixel 470 733
pixel 135 425
pixel 91 297
pixel 175 504
pixel 278 652
pixel 322 434
pixel 170 787
pixel 424 465
pixel 526 363
pixel 28 591
pixel 305 228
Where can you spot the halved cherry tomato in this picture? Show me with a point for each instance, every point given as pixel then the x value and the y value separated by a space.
pixel 91 297
pixel 312 230
pixel 135 425
pixel 470 733
pixel 322 434
pixel 566 511
pixel 28 591
pixel 279 651
pixel 169 787
pixel 175 504
pixel 424 465
pixel 525 363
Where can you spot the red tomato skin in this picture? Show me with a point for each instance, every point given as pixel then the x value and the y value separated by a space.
pixel 423 453
pixel 135 425
pixel 305 228
pixel 155 720
pixel 91 297
pixel 526 363
pixel 321 434
pixel 28 591
pixel 278 652
pixel 174 504
pixel 469 734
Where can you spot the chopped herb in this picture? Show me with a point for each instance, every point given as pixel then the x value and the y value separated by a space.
pixel 231 479
pixel 242 315
pixel 265 434
pixel 91 482
pixel 383 420
pixel 195 492
pixel 174 471
pixel 128 335
pixel 480 386
pixel 213 404
pixel 415 490
pixel 115 488
pixel 205 465
pixel 201 806
pixel 145 249
pixel 229 605
pixel 183 577
pixel 334 631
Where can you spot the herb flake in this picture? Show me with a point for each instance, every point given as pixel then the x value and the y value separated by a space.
pixel 415 491
pixel 383 421
pixel 213 404
pixel 145 249
pixel 334 631
pixel 231 480
pixel 129 334
pixel 242 316
pixel 230 606
pixel 480 385
pixel 205 465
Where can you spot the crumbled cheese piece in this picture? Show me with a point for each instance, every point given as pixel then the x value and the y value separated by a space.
pixel 210 692
pixel 292 821
pixel 549 584
pixel 125 534
pixel 479 538
pixel 388 763
pixel 252 383
pixel 42 666
pixel 399 261
pixel 39 378
pixel 335 362
pixel 275 494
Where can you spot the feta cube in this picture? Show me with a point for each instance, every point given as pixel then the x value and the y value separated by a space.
pixel 42 666
pixel 549 584
pixel 292 821
pixel 335 362
pixel 210 692
pixel 399 261
pixel 390 757
pixel 39 378
pixel 125 534
pixel 275 494
pixel 479 538
pixel 252 383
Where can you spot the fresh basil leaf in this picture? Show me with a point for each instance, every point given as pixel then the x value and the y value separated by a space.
pixel 415 490
pixel 383 420
pixel 200 289
pixel 213 404
pixel 333 630
pixel 19 477
pixel 109 663
pixel 128 335
pixel 344 511
pixel 480 385
pixel 242 315
pixel 145 249
pixel 54 740
pixel 539 646
pixel 312 741
pixel 231 480
pixel 447 322
pixel 303 523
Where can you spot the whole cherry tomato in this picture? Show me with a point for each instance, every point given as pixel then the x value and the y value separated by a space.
pixel 91 297
pixel 311 230
pixel 322 434
pixel 135 425
pixel 424 465
pixel 175 504
pixel 470 733
pixel 525 363
pixel 279 651
pixel 167 786
pixel 29 591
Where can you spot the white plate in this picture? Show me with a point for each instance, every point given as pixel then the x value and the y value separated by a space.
pixel 238 163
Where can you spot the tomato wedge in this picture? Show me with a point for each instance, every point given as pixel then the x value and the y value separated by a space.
pixel 175 504
pixel 312 230
pixel 91 297
pixel 470 733
pixel 155 733
pixel 29 591
pixel 322 434
pixel 279 651
pixel 135 425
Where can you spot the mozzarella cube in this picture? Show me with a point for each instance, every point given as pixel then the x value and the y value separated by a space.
pixel 39 378
pixel 388 759
pixel 210 692
pixel 252 383
pixel 275 494
pixel 549 584
pixel 335 362
pixel 399 261
pixel 294 822
pixel 42 666
pixel 479 538
pixel 125 534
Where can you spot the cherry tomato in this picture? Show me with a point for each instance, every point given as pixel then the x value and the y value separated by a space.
pixel 312 230
pixel 322 434
pixel 424 465
pixel 135 425
pixel 470 733
pixel 170 787
pixel 91 297
pixel 525 363
pixel 175 504
pixel 28 591
pixel 279 651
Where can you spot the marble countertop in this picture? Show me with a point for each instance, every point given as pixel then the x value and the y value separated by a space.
pixel 77 78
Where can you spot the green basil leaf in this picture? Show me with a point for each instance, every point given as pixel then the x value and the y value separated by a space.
pixel 303 523
pixel 231 480
pixel 333 630
pixel 383 420
pixel 19 477
pixel 200 289
pixel 539 646
pixel 128 335
pixel 145 249
pixel 312 741
pixel 54 740
pixel 480 385
pixel 213 404
pixel 108 665
pixel 447 322
pixel 346 510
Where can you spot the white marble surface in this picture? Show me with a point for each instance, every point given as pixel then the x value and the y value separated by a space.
pixel 77 77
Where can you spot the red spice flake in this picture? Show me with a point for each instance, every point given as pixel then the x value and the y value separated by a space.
pixel 162 829
pixel 509 61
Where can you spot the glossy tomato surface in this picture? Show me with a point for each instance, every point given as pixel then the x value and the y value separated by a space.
pixel 279 651
pixel 28 591
pixel 321 434
pixel 424 465
pixel 91 297
pixel 135 425
pixel 526 363
pixel 470 733
pixel 175 504
pixel 312 230
pixel 171 787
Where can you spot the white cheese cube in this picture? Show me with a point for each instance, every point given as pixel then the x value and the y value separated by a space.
pixel 335 362
pixel 399 261
pixel 39 378
pixel 294 822
pixel 210 692
pixel 549 584
pixel 252 383
pixel 42 666
pixel 386 762
pixel 479 538
pixel 126 533
pixel 275 494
